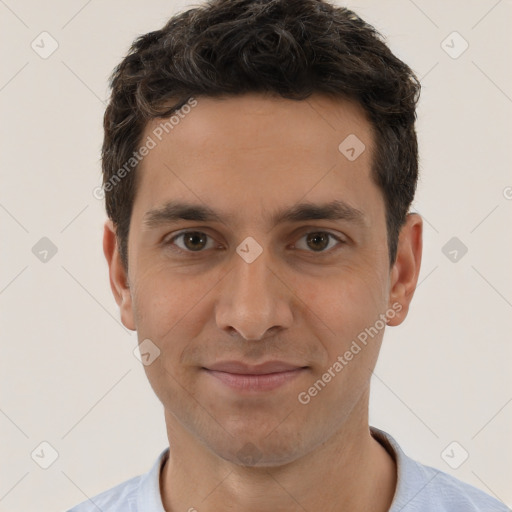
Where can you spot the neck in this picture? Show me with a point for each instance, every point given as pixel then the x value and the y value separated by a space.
pixel 350 472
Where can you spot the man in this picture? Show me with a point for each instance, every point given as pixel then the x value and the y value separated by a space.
pixel 259 161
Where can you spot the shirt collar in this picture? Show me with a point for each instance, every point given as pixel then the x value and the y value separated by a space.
pixel 149 496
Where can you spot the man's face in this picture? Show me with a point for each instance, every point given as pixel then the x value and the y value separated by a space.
pixel 215 312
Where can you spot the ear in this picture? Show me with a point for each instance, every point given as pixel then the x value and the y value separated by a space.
pixel 406 268
pixel 118 275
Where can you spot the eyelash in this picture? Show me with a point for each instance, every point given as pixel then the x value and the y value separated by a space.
pixel 170 242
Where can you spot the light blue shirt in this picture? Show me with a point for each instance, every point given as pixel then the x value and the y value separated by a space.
pixel 419 488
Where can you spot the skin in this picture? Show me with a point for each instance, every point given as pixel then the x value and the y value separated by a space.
pixel 297 302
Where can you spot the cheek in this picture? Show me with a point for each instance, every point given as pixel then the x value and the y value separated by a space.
pixel 165 303
pixel 169 311
pixel 344 316
pixel 347 303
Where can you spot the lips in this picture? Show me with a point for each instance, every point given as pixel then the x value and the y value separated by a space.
pixel 245 378
pixel 240 368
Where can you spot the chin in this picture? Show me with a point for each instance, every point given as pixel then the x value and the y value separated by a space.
pixel 259 450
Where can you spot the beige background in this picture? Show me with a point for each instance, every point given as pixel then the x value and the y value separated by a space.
pixel 68 373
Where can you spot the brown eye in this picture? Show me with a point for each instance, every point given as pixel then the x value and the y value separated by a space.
pixel 194 241
pixel 191 241
pixel 319 241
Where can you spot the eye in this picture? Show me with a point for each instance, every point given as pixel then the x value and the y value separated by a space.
pixel 191 241
pixel 320 241
pixel 198 241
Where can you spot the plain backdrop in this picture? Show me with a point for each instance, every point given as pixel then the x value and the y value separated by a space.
pixel 69 377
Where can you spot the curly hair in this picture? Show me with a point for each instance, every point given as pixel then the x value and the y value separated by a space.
pixel 292 48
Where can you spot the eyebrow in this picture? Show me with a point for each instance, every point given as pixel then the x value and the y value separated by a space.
pixel 173 211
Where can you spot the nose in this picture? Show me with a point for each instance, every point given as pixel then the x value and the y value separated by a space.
pixel 253 301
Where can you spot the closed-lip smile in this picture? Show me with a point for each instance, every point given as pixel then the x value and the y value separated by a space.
pixel 254 378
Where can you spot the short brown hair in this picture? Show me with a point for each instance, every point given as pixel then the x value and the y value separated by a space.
pixel 293 48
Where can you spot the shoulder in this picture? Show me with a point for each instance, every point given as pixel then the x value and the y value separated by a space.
pixel 422 488
pixel 435 490
pixel 138 494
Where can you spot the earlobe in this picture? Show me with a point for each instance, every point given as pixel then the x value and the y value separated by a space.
pixel 405 272
pixel 118 276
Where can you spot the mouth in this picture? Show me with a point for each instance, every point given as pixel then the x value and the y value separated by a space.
pixel 254 378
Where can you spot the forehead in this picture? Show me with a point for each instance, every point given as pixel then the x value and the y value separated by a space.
pixel 263 119
pixel 255 151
